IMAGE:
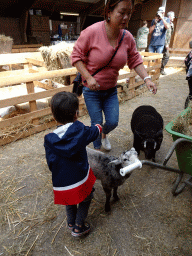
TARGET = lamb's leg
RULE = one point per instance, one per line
(115, 196)
(108, 197)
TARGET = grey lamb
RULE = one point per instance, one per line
(107, 169)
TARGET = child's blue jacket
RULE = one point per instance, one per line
(67, 160)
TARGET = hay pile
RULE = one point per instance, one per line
(6, 43)
(57, 57)
(5, 39)
(183, 123)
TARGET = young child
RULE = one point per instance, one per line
(188, 65)
(66, 157)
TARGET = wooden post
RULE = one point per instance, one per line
(32, 104)
(157, 71)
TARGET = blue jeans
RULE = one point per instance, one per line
(99, 102)
(156, 48)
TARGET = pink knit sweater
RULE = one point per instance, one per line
(94, 49)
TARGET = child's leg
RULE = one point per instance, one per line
(82, 212)
(71, 214)
(83, 209)
(82, 228)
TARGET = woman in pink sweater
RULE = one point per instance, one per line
(93, 50)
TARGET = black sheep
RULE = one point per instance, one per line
(147, 127)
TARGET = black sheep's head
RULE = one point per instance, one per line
(149, 147)
(150, 143)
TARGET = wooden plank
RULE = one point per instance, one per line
(35, 62)
(32, 104)
(13, 73)
(19, 46)
(24, 50)
(15, 50)
(135, 85)
(133, 73)
(35, 77)
(36, 70)
(25, 117)
(21, 72)
(160, 56)
(43, 85)
(18, 58)
(33, 96)
(149, 54)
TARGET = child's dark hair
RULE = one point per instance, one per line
(64, 106)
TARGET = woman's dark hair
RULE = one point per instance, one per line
(64, 106)
(110, 6)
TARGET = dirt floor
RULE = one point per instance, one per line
(148, 219)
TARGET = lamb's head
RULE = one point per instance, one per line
(126, 158)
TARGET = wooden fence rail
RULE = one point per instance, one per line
(32, 122)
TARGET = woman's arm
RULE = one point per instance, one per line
(141, 71)
(91, 82)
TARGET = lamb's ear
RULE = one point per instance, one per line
(115, 162)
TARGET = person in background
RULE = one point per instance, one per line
(169, 33)
(92, 51)
(158, 29)
(188, 65)
(66, 157)
(142, 37)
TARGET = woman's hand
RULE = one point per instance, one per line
(151, 86)
(92, 84)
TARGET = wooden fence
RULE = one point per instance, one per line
(34, 71)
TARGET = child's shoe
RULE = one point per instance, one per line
(70, 226)
(81, 230)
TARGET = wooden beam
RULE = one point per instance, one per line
(18, 58)
(22, 50)
(43, 85)
(33, 96)
(133, 73)
(25, 117)
(32, 103)
(21, 46)
(35, 62)
(37, 76)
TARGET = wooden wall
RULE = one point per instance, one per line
(183, 31)
(11, 27)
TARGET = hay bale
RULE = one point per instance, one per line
(6, 43)
(57, 57)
